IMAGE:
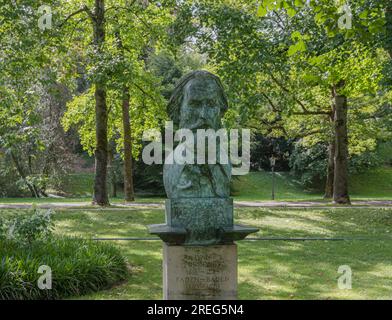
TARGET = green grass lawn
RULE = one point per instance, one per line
(376, 183)
(373, 184)
(256, 186)
(267, 269)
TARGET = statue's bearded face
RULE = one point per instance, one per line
(200, 107)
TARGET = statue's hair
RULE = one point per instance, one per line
(174, 105)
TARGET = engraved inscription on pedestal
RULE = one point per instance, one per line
(199, 272)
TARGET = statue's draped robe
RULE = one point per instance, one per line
(197, 180)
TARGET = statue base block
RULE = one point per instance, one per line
(200, 272)
(200, 221)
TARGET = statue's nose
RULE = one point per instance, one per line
(204, 111)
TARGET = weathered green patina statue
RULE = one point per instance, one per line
(198, 102)
(199, 210)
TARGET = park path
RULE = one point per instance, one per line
(238, 204)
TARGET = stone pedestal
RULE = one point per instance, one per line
(199, 250)
(200, 272)
(200, 221)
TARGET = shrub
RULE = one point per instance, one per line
(384, 150)
(9, 179)
(32, 227)
(309, 164)
(78, 267)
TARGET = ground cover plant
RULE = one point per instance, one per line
(77, 266)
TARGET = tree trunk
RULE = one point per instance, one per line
(101, 113)
(331, 162)
(330, 171)
(129, 194)
(340, 185)
(114, 186)
(112, 171)
(33, 189)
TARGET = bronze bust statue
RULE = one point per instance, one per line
(199, 210)
(198, 102)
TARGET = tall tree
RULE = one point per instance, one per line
(340, 181)
(97, 19)
(29, 101)
(101, 111)
(281, 67)
(330, 166)
(133, 101)
(129, 193)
